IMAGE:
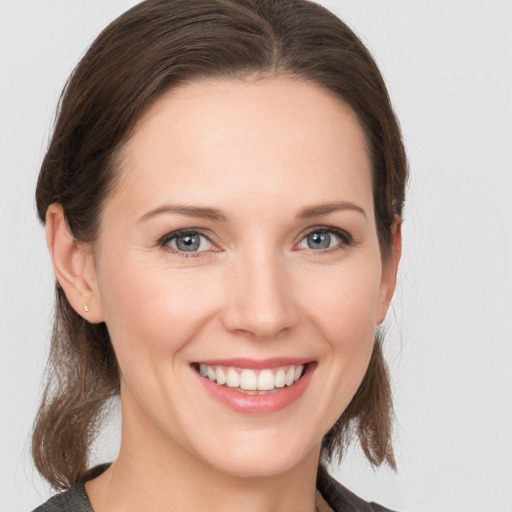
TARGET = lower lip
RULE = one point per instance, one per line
(259, 404)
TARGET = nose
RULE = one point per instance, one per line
(259, 298)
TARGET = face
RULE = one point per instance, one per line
(239, 273)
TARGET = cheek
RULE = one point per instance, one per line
(345, 305)
(344, 310)
(152, 312)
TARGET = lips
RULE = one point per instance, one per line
(248, 379)
(255, 387)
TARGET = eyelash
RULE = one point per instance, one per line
(346, 240)
(169, 237)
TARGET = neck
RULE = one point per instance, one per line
(154, 473)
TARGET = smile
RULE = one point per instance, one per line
(252, 386)
(252, 381)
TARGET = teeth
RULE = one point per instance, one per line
(233, 378)
(266, 380)
(280, 379)
(220, 376)
(248, 380)
(251, 381)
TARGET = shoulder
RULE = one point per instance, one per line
(340, 499)
(74, 500)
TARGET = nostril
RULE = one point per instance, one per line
(260, 305)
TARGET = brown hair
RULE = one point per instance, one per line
(151, 48)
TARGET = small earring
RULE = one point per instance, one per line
(86, 308)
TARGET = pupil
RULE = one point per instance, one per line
(188, 243)
(319, 240)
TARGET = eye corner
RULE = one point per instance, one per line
(194, 242)
(324, 239)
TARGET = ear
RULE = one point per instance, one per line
(389, 271)
(73, 265)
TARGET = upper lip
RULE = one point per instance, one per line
(256, 364)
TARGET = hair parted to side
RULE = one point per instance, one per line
(152, 48)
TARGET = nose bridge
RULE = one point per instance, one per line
(260, 299)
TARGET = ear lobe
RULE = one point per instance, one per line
(389, 271)
(73, 266)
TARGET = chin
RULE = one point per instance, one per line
(261, 458)
(258, 466)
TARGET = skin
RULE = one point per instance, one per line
(261, 153)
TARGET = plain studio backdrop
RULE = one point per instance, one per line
(448, 66)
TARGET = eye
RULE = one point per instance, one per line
(187, 241)
(322, 239)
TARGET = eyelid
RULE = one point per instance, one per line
(345, 236)
(346, 239)
(163, 242)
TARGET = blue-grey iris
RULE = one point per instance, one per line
(319, 240)
(188, 242)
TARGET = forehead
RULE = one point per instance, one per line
(213, 140)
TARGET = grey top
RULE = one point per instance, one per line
(74, 500)
(339, 498)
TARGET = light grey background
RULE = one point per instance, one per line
(448, 65)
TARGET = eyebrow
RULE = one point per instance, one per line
(182, 209)
(324, 209)
(216, 215)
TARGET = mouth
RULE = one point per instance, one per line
(250, 380)
(255, 387)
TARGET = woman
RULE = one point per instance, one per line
(222, 199)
